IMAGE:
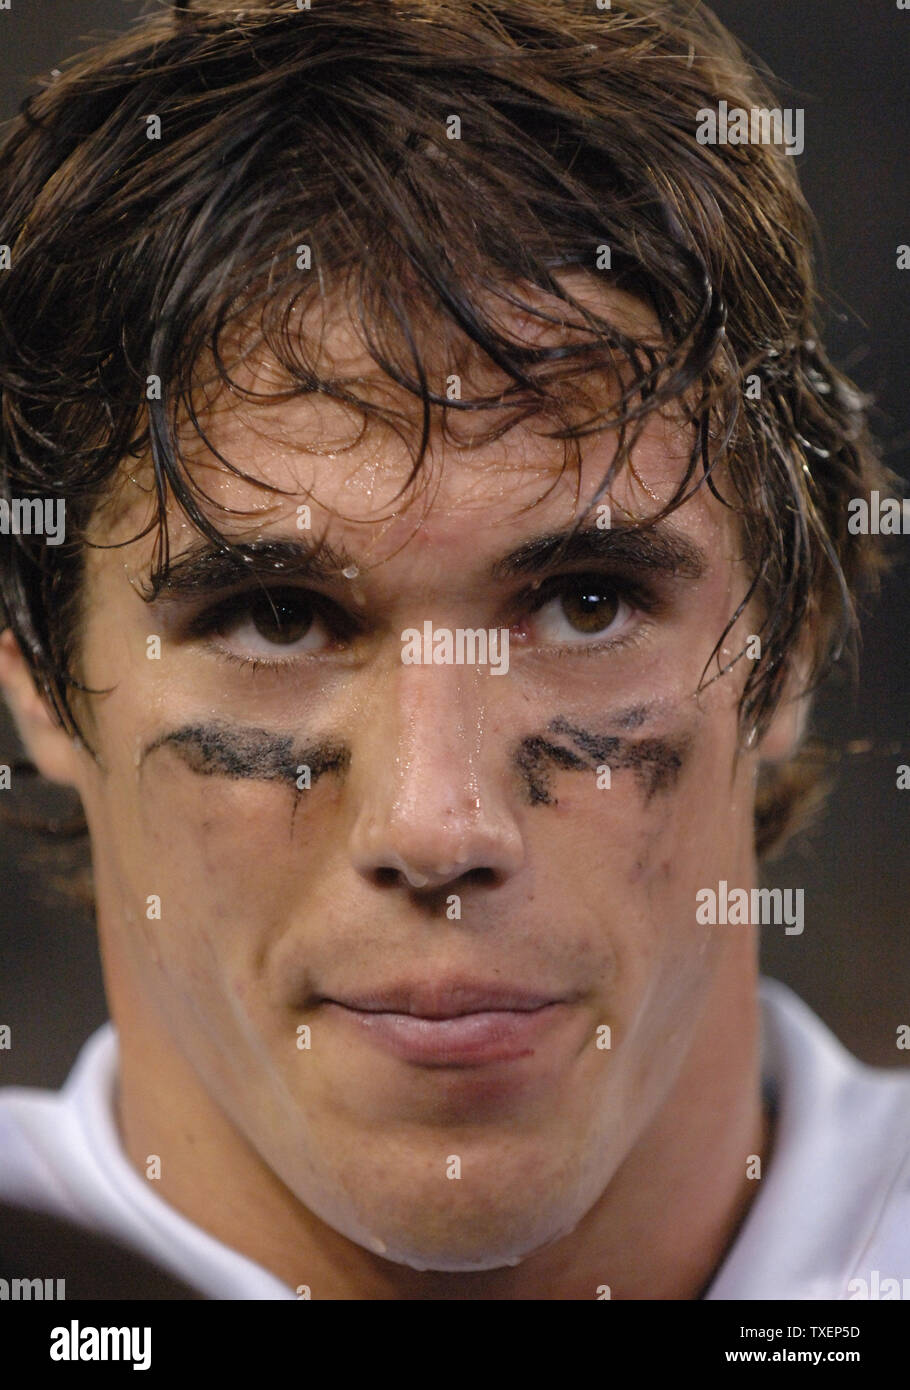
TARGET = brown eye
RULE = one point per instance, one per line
(590, 607)
(280, 617)
(581, 607)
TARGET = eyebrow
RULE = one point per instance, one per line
(660, 548)
(206, 569)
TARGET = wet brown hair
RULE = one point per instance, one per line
(135, 257)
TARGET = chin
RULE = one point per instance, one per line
(462, 1242)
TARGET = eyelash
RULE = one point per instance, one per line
(641, 597)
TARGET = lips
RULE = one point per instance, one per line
(452, 1025)
(447, 1000)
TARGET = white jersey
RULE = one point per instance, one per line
(831, 1218)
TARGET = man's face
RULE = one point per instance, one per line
(443, 989)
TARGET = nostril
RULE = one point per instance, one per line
(386, 876)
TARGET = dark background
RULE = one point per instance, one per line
(846, 64)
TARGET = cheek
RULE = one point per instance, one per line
(208, 869)
(631, 851)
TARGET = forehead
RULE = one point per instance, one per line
(337, 470)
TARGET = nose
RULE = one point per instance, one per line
(429, 775)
